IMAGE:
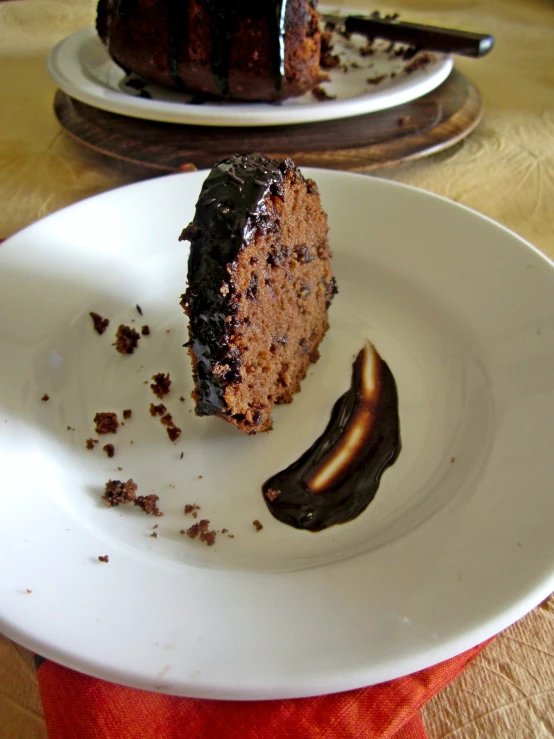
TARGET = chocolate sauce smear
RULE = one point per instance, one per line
(338, 477)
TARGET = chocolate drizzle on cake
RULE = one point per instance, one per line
(278, 41)
(224, 15)
(337, 478)
(125, 8)
(223, 29)
(226, 218)
(177, 28)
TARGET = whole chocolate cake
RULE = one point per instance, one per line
(263, 50)
(259, 286)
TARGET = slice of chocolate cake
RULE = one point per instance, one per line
(259, 286)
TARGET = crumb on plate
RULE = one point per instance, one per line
(148, 503)
(161, 384)
(119, 493)
(100, 324)
(106, 422)
(126, 339)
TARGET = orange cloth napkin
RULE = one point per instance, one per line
(80, 707)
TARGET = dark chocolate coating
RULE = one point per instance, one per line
(177, 22)
(224, 16)
(297, 505)
(230, 210)
(125, 8)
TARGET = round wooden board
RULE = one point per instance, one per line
(424, 126)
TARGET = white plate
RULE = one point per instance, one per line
(456, 545)
(81, 67)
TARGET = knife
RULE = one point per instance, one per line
(431, 38)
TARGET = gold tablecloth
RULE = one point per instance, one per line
(505, 170)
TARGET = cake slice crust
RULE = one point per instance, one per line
(259, 287)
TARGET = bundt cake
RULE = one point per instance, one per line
(264, 50)
(259, 286)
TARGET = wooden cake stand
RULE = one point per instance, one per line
(362, 143)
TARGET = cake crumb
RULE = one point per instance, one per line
(119, 493)
(148, 503)
(119, 469)
(199, 477)
(403, 119)
(127, 413)
(90, 443)
(181, 455)
(408, 52)
(191, 508)
(155, 526)
(100, 324)
(272, 494)
(419, 62)
(202, 531)
(109, 449)
(105, 559)
(126, 339)
(45, 397)
(452, 460)
(161, 384)
(329, 61)
(182, 399)
(224, 531)
(106, 422)
(70, 428)
(320, 94)
(157, 410)
(28, 591)
(257, 525)
(139, 309)
(174, 432)
(145, 330)
(167, 419)
(376, 80)
(154, 535)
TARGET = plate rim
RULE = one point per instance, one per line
(236, 115)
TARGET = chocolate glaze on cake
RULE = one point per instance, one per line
(259, 285)
(338, 477)
(238, 49)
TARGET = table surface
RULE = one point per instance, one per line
(504, 170)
